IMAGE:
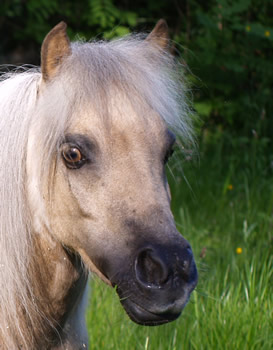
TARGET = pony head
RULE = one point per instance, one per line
(97, 150)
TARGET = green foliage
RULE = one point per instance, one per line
(232, 46)
(112, 21)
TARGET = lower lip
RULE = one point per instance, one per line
(144, 317)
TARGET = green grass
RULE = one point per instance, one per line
(232, 306)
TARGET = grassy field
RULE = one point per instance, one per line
(223, 204)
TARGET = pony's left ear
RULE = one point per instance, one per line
(159, 36)
(55, 47)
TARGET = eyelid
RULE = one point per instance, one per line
(81, 141)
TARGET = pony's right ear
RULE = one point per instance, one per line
(55, 47)
(159, 36)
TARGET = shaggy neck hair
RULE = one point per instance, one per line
(134, 67)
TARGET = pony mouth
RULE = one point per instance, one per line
(137, 313)
(144, 317)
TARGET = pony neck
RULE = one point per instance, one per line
(59, 280)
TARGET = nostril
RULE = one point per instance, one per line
(188, 259)
(150, 268)
(186, 265)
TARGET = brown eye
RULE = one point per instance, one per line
(72, 157)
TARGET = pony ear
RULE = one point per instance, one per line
(159, 36)
(55, 47)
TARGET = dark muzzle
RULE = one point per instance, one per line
(161, 282)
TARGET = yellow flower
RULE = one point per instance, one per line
(239, 250)
(230, 187)
(248, 28)
(267, 33)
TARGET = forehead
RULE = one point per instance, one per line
(120, 118)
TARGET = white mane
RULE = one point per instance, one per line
(17, 101)
(143, 72)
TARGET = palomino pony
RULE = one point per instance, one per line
(84, 142)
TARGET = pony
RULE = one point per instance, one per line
(84, 144)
